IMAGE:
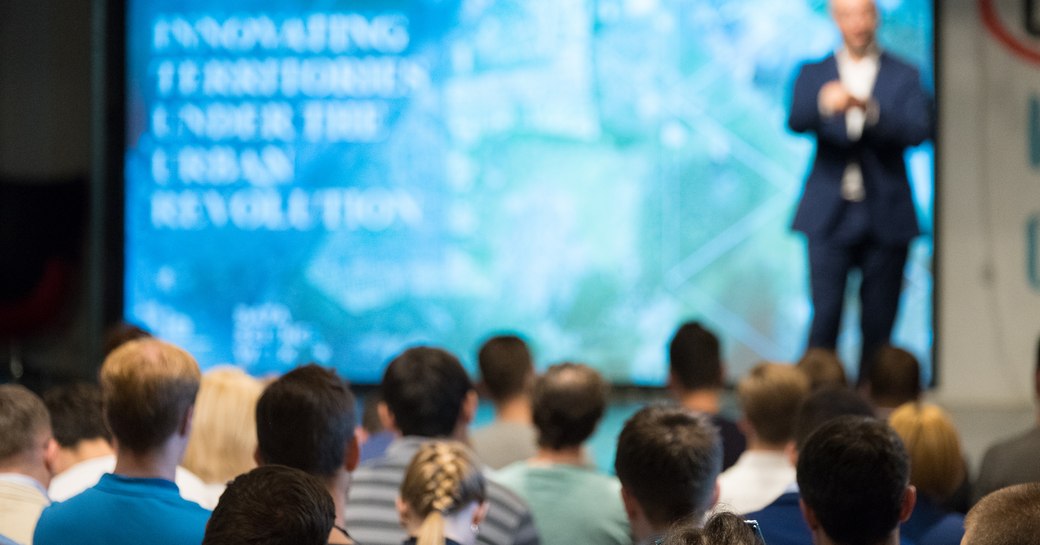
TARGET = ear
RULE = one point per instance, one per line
(186, 421)
(257, 457)
(352, 454)
(469, 408)
(50, 456)
(909, 501)
(809, 515)
(403, 513)
(386, 418)
(480, 513)
(714, 496)
(745, 427)
(792, 453)
(632, 508)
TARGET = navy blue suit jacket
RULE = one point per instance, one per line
(905, 120)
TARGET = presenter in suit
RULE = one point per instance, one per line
(864, 107)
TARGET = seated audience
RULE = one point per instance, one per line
(506, 374)
(372, 436)
(305, 420)
(769, 395)
(722, 528)
(668, 460)
(272, 505)
(148, 392)
(854, 478)
(936, 469)
(443, 496)
(223, 436)
(824, 369)
(781, 521)
(1013, 460)
(427, 395)
(1009, 516)
(695, 378)
(27, 452)
(85, 445)
(570, 501)
(893, 379)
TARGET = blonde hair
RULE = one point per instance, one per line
(147, 386)
(441, 480)
(936, 462)
(770, 395)
(223, 436)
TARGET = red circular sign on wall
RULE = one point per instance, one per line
(991, 18)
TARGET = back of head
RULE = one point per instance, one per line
(441, 480)
(506, 368)
(770, 395)
(668, 459)
(568, 401)
(853, 473)
(223, 434)
(1009, 516)
(24, 423)
(823, 368)
(895, 377)
(147, 387)
(272, 505)
(823, 406)
(722, 528)
(695, 359)
(76, 414)
(121, 333)
(306, 420)
(425, 388)
(936, 462)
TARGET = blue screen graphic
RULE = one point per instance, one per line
(337, 180)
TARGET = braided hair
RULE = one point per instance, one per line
(441, 480)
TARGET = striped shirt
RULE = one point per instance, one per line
(371, 513)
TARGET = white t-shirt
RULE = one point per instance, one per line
(87, 473)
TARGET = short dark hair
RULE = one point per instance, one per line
(695, 358)
(76, 413)
(567, 403)
(853, 473)
(306, 420)
(424, 388)
(668, 458)
(1009, 516)
(272, 505)
(23, 416)
(505, 367)
(895, 377)
(823, 406)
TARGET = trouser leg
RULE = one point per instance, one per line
(882, 269)
(828, 271)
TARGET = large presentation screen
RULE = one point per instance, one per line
(333, 181)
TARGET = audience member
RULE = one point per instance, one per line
(507, 374)
(722, 528)
(1013, 460)
(1009, 516)
(668, 460)
(695, 378)
(443, 496)
(305, 420)
(85, 445)
(781, 521)
(122, 332)
(148, 392)
(570, 501)
(223, 436)
(426, 395)
(936, 470)
(893, 379)
(769, 395)
(824, 369)
(853, 474)
(272, 505)
(27, 452)
(372, 436)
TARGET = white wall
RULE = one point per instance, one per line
(989, 307)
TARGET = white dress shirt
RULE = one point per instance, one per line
(858, 77)
(755, 480)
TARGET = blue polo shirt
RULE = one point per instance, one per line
(123, 510)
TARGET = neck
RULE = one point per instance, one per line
(338, 486)
(34, 470)
(859, 53)
(570, 455)
(754, 443)
(158, 463)
(515, 409)
(86, 449)
(820, 538)
(703, 400)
